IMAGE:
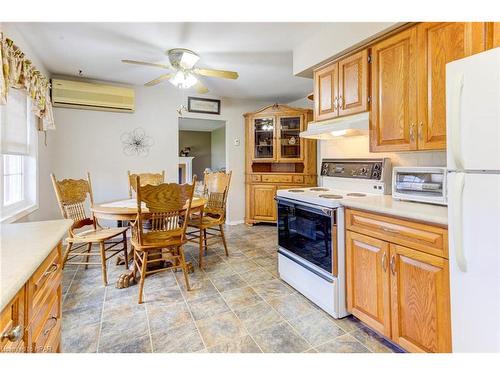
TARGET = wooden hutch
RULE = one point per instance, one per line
(276, 158)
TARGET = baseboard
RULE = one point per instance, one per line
(236, 222)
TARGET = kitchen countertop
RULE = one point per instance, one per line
(385, 204)
(24, 246)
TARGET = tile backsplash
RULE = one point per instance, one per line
(358, 147)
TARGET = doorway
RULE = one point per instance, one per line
(202, 147)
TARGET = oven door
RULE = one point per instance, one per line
(307, 235)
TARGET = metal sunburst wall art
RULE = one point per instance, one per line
(136, 143)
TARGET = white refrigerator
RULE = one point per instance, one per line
(473, 162)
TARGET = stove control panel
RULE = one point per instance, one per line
(367, 169)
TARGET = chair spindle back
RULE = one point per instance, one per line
(216, 191)
(146, 179)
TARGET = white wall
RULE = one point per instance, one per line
(90, 141)
(333, 39)
(218, 143)
(358, 147)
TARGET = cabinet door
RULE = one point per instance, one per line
(263, 203)
(493, 34)
(420, 301)
(353, 84)
(326, 92)
(12, 325)
(368, 297)
(394, 93)
(438, 44)
(263, 138)
(291, 146)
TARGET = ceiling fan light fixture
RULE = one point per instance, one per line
(182, 58)
(183, 80)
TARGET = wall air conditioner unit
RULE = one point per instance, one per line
(88, 95)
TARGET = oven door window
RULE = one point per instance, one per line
(307, 233)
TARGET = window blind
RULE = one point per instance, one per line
(14, 123)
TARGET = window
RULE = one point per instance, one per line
(18, 167)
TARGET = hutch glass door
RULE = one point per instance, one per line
(290, 142)
(263, 129)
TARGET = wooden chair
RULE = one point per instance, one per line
(72, 196)
(168, 208)
(146, 179)
(211, 223)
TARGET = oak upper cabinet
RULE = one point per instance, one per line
(368, 295)
(493, 37)
(341, 87)
(263, 205)
(393, 113)
(438, 44)
(326, 92)
(353, 84)
(420, 301)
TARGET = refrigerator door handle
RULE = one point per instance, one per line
(458, 221)
(456, 125)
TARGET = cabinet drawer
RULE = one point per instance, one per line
(427, 238)
(255, 178)
(46, 327)
(12, 322)
(45, 281)
(298, 179)
(276, 178)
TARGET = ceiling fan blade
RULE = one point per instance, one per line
(200, 88)
(158, 80)
(146, 63)
(216, 73)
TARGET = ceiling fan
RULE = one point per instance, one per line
(184, 75)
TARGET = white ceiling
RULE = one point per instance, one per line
(200, 125)
(260, 52)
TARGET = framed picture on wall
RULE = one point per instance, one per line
(203, 105)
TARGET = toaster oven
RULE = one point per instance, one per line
(419, 184)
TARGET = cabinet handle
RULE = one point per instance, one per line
(341, 102)
(15, 334)
(412, 132)
(54, 319)
(389, 230)
(53, 268)
(393, 264)
(421, 131)
(335, 103)
(384, 261)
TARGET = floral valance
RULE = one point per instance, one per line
(18, 72)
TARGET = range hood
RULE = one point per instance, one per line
(343, 126)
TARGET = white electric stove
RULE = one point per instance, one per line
(311, 254)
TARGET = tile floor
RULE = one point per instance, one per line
(237, 304)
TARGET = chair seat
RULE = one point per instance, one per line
(206, 221)
(156, 240)
(96, 235)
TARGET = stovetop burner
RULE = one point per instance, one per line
(296, 191)
(318, 189)
(331, 196)
(356, 195)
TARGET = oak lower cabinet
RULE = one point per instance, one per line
(420, 301)
(401, 292)
(368, 281)
(263, 206)
(31, 322)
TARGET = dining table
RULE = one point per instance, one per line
(124, 210)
